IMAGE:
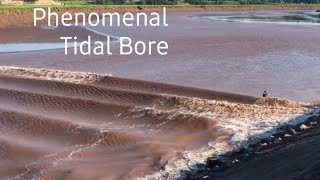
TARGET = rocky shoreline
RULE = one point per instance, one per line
(269, 153)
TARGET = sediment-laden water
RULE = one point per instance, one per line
(235, 57)
(59, 124)
(72, 124)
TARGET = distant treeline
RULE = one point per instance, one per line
(191, 2)
(249, 2)
(135, 2)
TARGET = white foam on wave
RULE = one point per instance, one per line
(242, 131)
(49, 74)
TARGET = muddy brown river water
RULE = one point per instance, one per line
(75, 125)
(227, 56)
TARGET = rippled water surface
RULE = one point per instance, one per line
(74, 125)
(208, 52)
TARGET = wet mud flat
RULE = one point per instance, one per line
(306, 18)
(291, 154)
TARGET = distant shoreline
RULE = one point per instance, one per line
(20, 16)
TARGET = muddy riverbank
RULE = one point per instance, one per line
(20, 17)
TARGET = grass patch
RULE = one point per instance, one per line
(74, 2)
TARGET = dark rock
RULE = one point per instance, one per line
(213, 162)
(318, 11)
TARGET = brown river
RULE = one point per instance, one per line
(80, 123)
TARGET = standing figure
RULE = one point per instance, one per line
(265, 94)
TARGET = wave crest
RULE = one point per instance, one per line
(75, 124)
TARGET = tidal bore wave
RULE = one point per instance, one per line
(72, 125)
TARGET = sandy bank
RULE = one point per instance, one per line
(17, 17)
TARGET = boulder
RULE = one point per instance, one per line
(318, 11)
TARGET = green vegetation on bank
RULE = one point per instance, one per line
(250, 2)
(192, 2)
(70, 6)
